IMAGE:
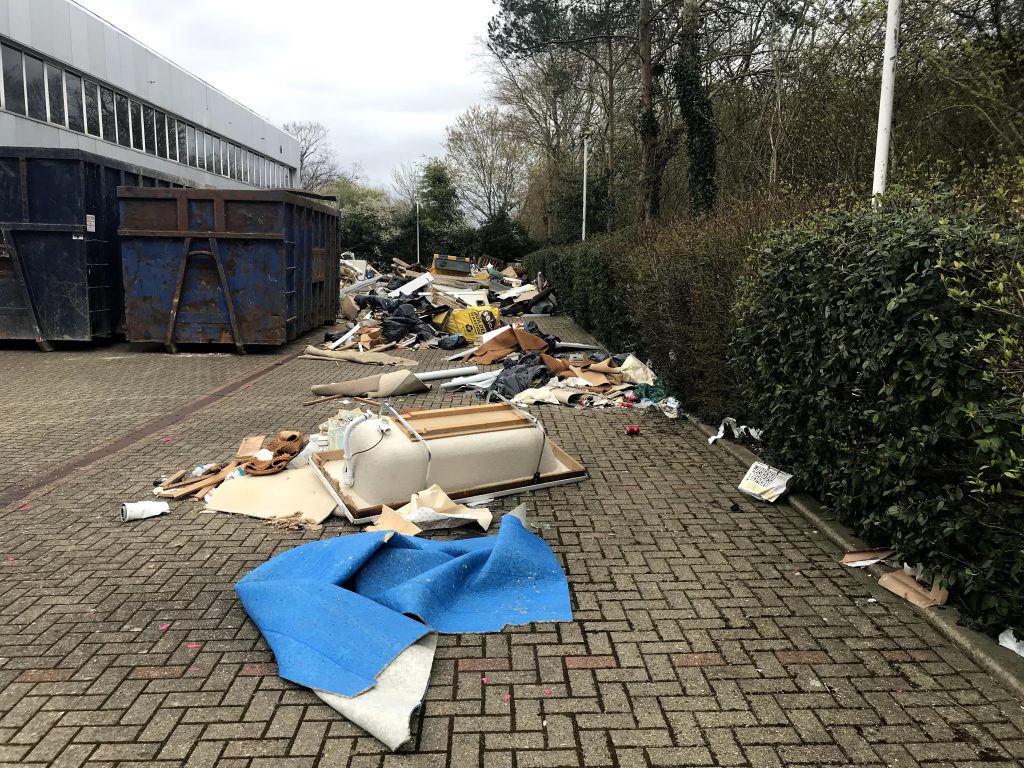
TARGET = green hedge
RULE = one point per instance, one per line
(881, 351)
(667, 294)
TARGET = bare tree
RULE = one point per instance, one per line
(489, 162)
(406, 180)
(318, 163)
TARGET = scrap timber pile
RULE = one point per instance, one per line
(338, 613)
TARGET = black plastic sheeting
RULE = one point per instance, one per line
(526, 372)
(404, 321)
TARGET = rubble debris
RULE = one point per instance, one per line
(344, 642)
(765, 483)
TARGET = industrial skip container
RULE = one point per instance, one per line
(227, 266)
(60, 265)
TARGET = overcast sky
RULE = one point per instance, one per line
(386, 76)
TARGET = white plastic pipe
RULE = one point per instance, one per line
(350, 467)
(352, 332)
(486, 376)
(892, 33)
(140, 510)
(451, 373)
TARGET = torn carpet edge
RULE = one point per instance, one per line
(386, 710)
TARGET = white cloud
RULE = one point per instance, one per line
(386, 77)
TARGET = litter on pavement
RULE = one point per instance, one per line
(336, 612)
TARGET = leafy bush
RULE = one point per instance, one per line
(667, 294)
(882, 351)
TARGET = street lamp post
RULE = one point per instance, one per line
(892, 30)
(586, 134)
(417, 233)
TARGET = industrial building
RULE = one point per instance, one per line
(73, 81)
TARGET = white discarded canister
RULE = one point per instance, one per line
(140, 510)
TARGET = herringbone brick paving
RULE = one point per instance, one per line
(702, 636)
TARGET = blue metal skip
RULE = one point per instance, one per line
(60, 271)
(227, 266)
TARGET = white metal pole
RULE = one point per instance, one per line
(892, 33)
(417, 232)
(585, 134)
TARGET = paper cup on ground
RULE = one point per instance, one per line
(140, 510)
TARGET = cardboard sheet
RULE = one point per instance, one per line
(249, 446)
(913, 591)
(294, 491)
(503, 344)
(390, 520)
(764, 482)
(352, 356)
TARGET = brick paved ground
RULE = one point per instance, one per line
(702, 636)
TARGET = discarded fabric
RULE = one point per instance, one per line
(336, 612)
(382, 385)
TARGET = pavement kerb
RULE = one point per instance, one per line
(1002, 663)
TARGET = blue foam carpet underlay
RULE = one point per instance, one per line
(336, 612)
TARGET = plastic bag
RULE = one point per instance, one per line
(471, 322)
(455, 341)
(518, 378)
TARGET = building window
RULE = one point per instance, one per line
(211, 153)
(55, 95)
(92, 109)
(190, 146)
(35, 88)
(149, 128)
(217, 156)
(14, 80)
(137, 130)
(109, 121)
(76, 116)
(182, 151)
(161, 134)
(172, 139)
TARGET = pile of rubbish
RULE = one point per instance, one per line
(355, 617)
(448, 306)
